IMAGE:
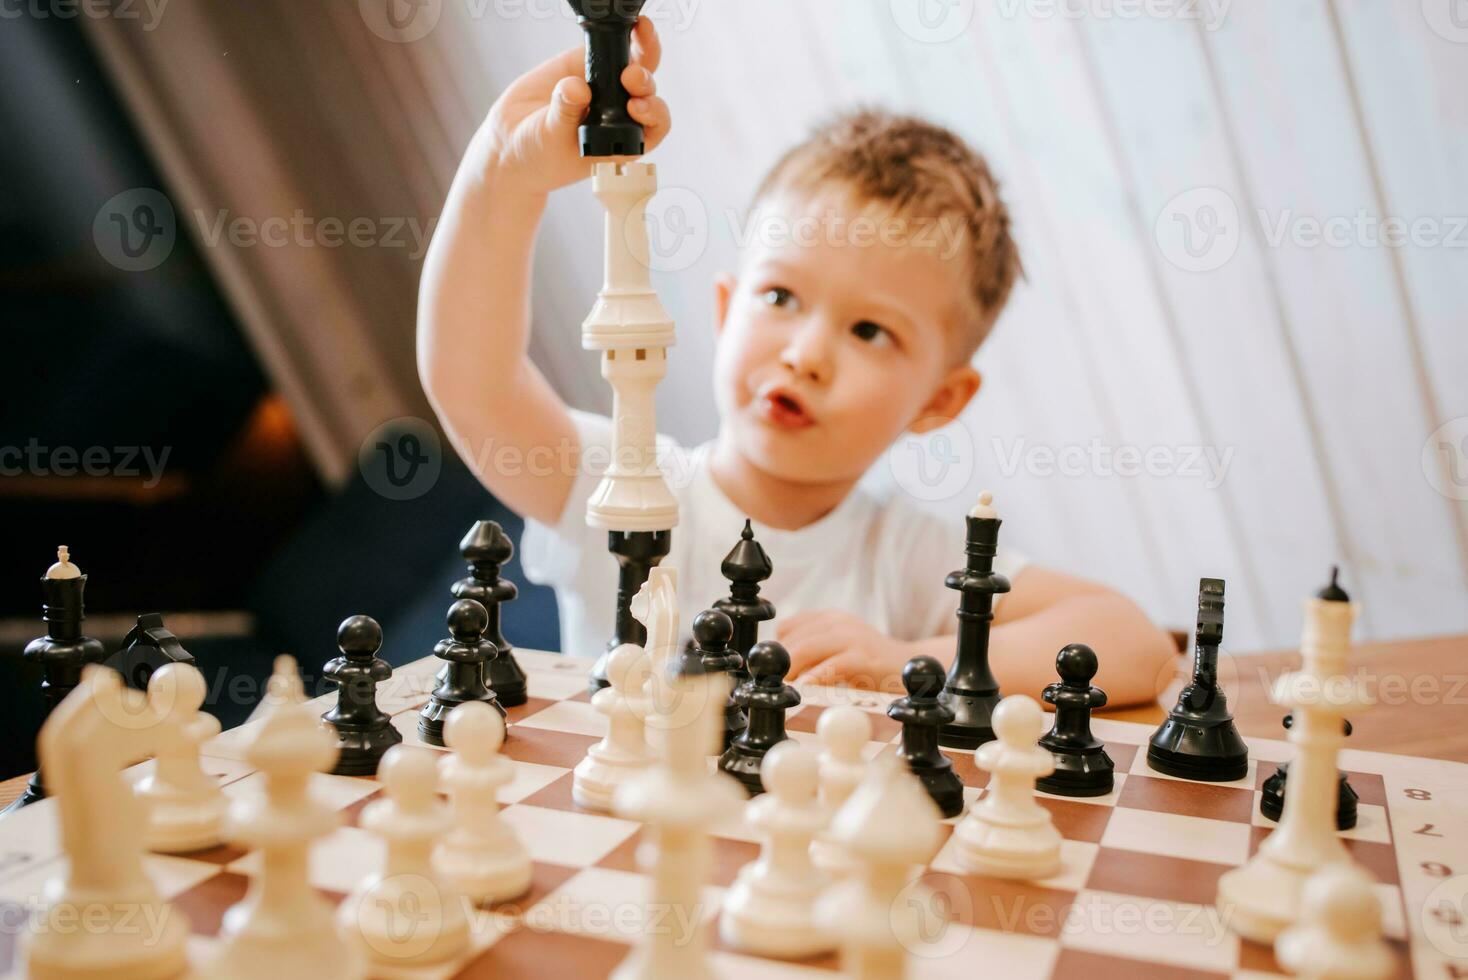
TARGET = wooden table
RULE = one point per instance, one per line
(1421, 687)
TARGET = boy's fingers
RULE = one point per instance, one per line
(568, 104)
(548, 74)
(647, 47)
(844, 667)
(654, 116)
(806, 655)
(638, 81)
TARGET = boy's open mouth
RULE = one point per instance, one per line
(783, 410)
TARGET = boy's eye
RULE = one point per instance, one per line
(871, 332)
(778, 296)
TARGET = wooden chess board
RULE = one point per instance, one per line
(1134, 898)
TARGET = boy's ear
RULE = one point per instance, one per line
(948, 402)
(723, 293)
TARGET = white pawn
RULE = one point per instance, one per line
(770, 908)
(186, 807)
(1007, 833)
(624, 751)
(481, 856)
(1338, 936)
(843, 732)
(405, 915)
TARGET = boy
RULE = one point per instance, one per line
(827, 352)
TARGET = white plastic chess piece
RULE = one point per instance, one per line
(481, 856)
(282, 927)
(97, 729)
(185, 804)
(1262, 898)
(889, 824)
(623, 752)
(843, 732)
(1338, 936)
(63, 567)
(770, 908)
(404, 914)
(1007, 833)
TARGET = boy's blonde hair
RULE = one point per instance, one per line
(919, 171)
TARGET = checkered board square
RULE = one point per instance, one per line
(1134, 896)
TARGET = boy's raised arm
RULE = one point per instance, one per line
(474, 301)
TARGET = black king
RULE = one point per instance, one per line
(971, 690)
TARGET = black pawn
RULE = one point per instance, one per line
(1271, 799)
(363, 731)
(971, 691)
(1082, 767)
(466, 651)
(62, 652)
(712, 631)
(746, 566)
(766, 698)
(487, 548)
(922, 714)
(1199, 739)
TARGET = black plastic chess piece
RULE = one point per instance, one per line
(1082, 767)
(1271, 799)
(609, 130)
(636, 552)
(712, 631)
(1199, 739)
(765, 698)
(363, 730)
(746, 566)
(62, 652)
(147, 646)
(922, 714)
(487, 548)
(466, 651)
(971, 692)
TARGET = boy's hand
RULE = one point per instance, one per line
(531, 131)
(832, 647)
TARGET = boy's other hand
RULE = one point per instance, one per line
(532, 146)
(832, 647)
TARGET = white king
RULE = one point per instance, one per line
(1264, 896)
(633, 332)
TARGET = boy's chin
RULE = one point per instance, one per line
(791, 456)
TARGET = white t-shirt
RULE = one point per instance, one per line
(881, 560)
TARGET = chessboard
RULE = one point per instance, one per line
(1134, 898)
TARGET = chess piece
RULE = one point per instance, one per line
(94, 732)
(632, 330)
(283, 927)
(712, 631)
(487, 548)
(609, 130)
(922, 715)
(147, 646)
(1263, 897)
(745, 566)
(1272, 795)
(1007, 833)
(363, 731)
(971, 692)
(1198, 740)
(1338, 936)
(623, 752)
(656, 607)
(466, 651)
(677, 799)
(766, 699)
(877, 914)
(185, 804)
(1082, 767)
(63, 652)
(405, 915)
(770, 908)
(844, 732)
(481, 857)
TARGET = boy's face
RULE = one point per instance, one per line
(831, 346)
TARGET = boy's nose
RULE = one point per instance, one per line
(808, 355)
